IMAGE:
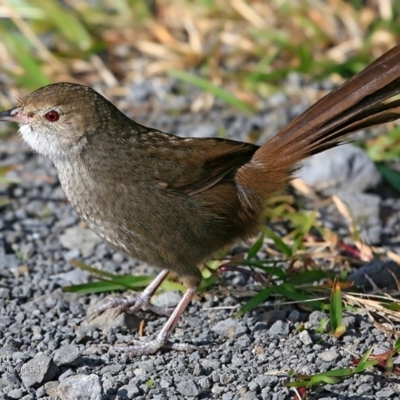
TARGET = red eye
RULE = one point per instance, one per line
(52, 116)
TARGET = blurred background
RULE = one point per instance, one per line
(246, 47)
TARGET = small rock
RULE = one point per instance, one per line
(77, 238)
(279, 328)
(294, 316)
(15, 393)
(167, 299)
(316, 317)
(377, 273)
(328, 356)
(230, 328)
(67, 355)
(9, 381)
(164, 384)
(38, 370)
(74, 277)
(128, 392)
(82, 387)
(51, 388)
(188, 388)
(248, 396)
(205, 382)
(27, 397)
(66, 375)
(305, 337)
(108, 320)
(343, 168)
(385, 394)
(260, 328)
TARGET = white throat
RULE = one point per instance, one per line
(47, 145)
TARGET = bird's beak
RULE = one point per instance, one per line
(14, 115)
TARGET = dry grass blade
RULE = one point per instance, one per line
(385, 306)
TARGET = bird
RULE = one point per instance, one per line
(173, 202)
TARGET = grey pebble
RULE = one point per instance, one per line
(385, 393)
(66, 374)
(280, 328)
(108, 320)
(248, 396)
(294, 316)
(38, 370)
(15, 393)
(188, 388)
(77, 238)
(128, 392)
(266, 380)
(164, 384)
(344, 168)
(51, 388)
(260, 328)
(365, 389)
(205, 382)
(316, 317)
(254, 387)
(378, 274)
(230, 328)
(328, 356)
(305, 337)
(82, 387)
(4, 293)
(167, 299)
(67, 355)
(74, 277)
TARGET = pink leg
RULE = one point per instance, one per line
(138, 302)
(141, 348)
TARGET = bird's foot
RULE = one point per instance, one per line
(139, 348)
(129, 305)
(134, 304)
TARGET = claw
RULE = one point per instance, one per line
(135, 303)
(139, 348)
(142, 302)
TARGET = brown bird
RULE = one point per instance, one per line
(173, 202)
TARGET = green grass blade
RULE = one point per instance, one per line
(390, 175)
(255, 248)
(94, 271)
(33, 76)
(336, 310)
(254, 302)
(279, 243)
(66, 22)
(122, 283)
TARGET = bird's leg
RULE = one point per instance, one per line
(139, 348)
(135, 303)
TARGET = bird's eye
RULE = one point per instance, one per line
(52, 116)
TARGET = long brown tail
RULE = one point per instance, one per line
(357, 104)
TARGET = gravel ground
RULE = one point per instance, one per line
(47, 350)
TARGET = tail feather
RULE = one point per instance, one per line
(346, 105)
(359, 103)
